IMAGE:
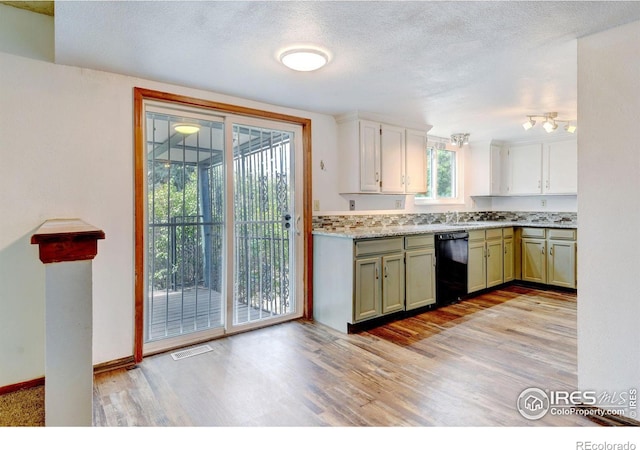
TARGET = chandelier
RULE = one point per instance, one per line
(550, 122)
(460, 139)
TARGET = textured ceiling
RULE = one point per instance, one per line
(476, 67)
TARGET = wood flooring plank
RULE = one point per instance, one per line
(461, 365)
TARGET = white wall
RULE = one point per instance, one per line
(66, 144)
(26, 33)
(609, 212)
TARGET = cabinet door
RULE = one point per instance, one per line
(534, 267)
(509, 260)
(392, 159)
(369, 156)
(367, 289)
(561, 168)
(495, 263)
(416, 162)
(476, 267)
(420, 278)
(392, 283)
(526, 169)
(499, 170)
(562, 263)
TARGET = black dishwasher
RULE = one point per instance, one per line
(452, 254)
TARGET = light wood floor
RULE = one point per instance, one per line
(462, 365)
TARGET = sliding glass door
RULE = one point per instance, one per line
(265, 223)
(223, 243)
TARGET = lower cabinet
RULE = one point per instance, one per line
(509, 263)
(359, 280)
(490, 258)
(379, 278)
(549, 256)
(420, 269)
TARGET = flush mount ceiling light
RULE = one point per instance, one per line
(186, 128)
(549, 122)
(460, 139)
(304, 59)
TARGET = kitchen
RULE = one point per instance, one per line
(368, 267)
(607, 180)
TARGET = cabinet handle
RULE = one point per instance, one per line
(539, 184)
(385, 271)
(377, 275)
(551, 251)
(505, 250)
(542, 249)
(488, 253)
(408, 180)
(377, 177)
(402, 179)
(547, 184)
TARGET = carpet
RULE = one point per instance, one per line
(23, 408)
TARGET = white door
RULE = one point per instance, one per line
(266, 214)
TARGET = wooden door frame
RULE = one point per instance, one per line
(142, 94)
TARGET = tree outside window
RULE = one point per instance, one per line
(442, 171)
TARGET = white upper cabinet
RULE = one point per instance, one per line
(377, 157)
(525, 163)
(540, 169)
(499, 170)
(560, 168)
(392, 159)
(416, 162)
(369, 156)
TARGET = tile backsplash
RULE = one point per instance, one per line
(341, 222)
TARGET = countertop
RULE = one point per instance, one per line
(404, 230)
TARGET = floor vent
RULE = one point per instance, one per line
(182, 354)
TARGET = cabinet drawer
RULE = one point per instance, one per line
(373, 246)
(476, 235)
(533, 232)
(494, 233)
(507, 232)
(423, 240)
(562, 233)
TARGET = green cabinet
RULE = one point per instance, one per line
(477, 262)
(379, 278)
(561, 267)
(549, 256)
(420, 271)
(488, 257)
(509, 255)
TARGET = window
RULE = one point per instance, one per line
(442, 174)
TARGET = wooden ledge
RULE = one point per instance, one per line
(67, 240)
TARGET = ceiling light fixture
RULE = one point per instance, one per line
(529, 123)
(549, 122)
(304, 59)
(186, 128)
(460, 139)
